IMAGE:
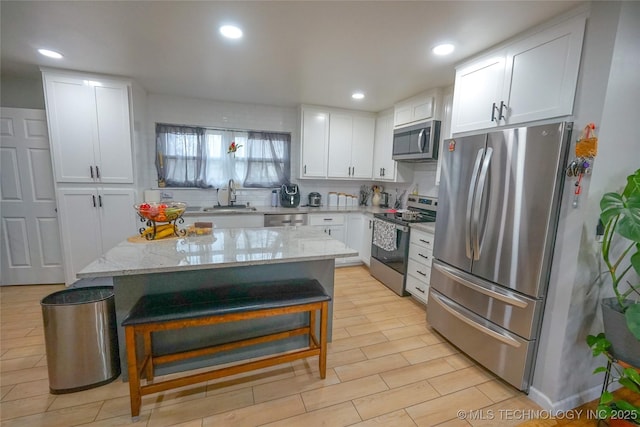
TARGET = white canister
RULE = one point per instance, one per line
(352, 201)
(342, 200)
(333, 199)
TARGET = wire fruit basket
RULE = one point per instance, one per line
(161, 219)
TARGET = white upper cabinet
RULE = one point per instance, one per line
(315, 141)
(477, 87)
(423, 106)
(340, 135)
(336, 144)
(530, 79)
(362, 147)
(90, 130)
(384, 167)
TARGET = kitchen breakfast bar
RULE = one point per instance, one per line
(225, 257)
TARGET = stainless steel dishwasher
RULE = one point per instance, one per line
(283, 220)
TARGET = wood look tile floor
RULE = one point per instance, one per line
(386, 367)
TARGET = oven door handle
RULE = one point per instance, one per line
(402, 228)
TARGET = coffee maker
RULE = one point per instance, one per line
(289, 196)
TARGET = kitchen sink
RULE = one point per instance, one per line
(238, 208)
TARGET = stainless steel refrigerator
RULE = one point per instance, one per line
(498, 210)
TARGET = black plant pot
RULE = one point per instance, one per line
(624, 345)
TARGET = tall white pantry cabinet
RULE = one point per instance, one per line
(90, 135)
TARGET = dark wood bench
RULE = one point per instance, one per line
(209, 306)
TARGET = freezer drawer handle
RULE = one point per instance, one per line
(508, 298)
(494, 334)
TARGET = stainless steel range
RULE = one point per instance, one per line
(390, 243)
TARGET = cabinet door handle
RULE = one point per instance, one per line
(370, 224)
(353, 171)
(327, 219)
(423, 256)
(329, 232)
(94, 200)
(91, 170)
(100, 201)
(493, 112)
(384, 171)
(425, 241)
(97, 172)
(420, 272)
(420, 290)
(305, 169)
(500, 115)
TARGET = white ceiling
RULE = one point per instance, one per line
(314, 52)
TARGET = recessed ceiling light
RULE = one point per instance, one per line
(358, 95)
(231, 31)
(444, 49)
(50, 53)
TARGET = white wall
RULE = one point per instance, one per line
(608, 96)
(17, 92)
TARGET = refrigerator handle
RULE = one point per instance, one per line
(477, 203)
(467, 220)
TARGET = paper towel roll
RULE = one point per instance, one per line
(151, 196)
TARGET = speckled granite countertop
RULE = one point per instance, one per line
(233, 247)
(262, 210)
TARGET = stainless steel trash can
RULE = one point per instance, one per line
(81, 338)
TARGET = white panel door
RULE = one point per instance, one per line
(362, 147)
(29, 235)
(340, 137)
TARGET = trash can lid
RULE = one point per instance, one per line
(78, 296)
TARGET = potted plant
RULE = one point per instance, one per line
(619, 411)
(620, 214)
(620, 343)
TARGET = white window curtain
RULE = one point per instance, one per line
(199, 157)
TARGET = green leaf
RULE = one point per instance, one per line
(600, 369)
(633, 376)
(604, 412)
(635, 260)
(606, 397)
(611, 205)
(633, 185)
(629, 224)
(629, 384)
(632, 315)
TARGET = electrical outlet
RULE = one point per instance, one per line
(166, 195)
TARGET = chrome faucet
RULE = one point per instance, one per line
(232, 192)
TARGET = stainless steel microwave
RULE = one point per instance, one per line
(417, 143)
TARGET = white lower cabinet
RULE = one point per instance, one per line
(92, 221)
(419, 265)
(331, 224)
(367, 237)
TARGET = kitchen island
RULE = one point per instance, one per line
(228, 256)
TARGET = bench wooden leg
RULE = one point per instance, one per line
(148, 373)
(134, 375)
(312, 328)
(323, 339)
